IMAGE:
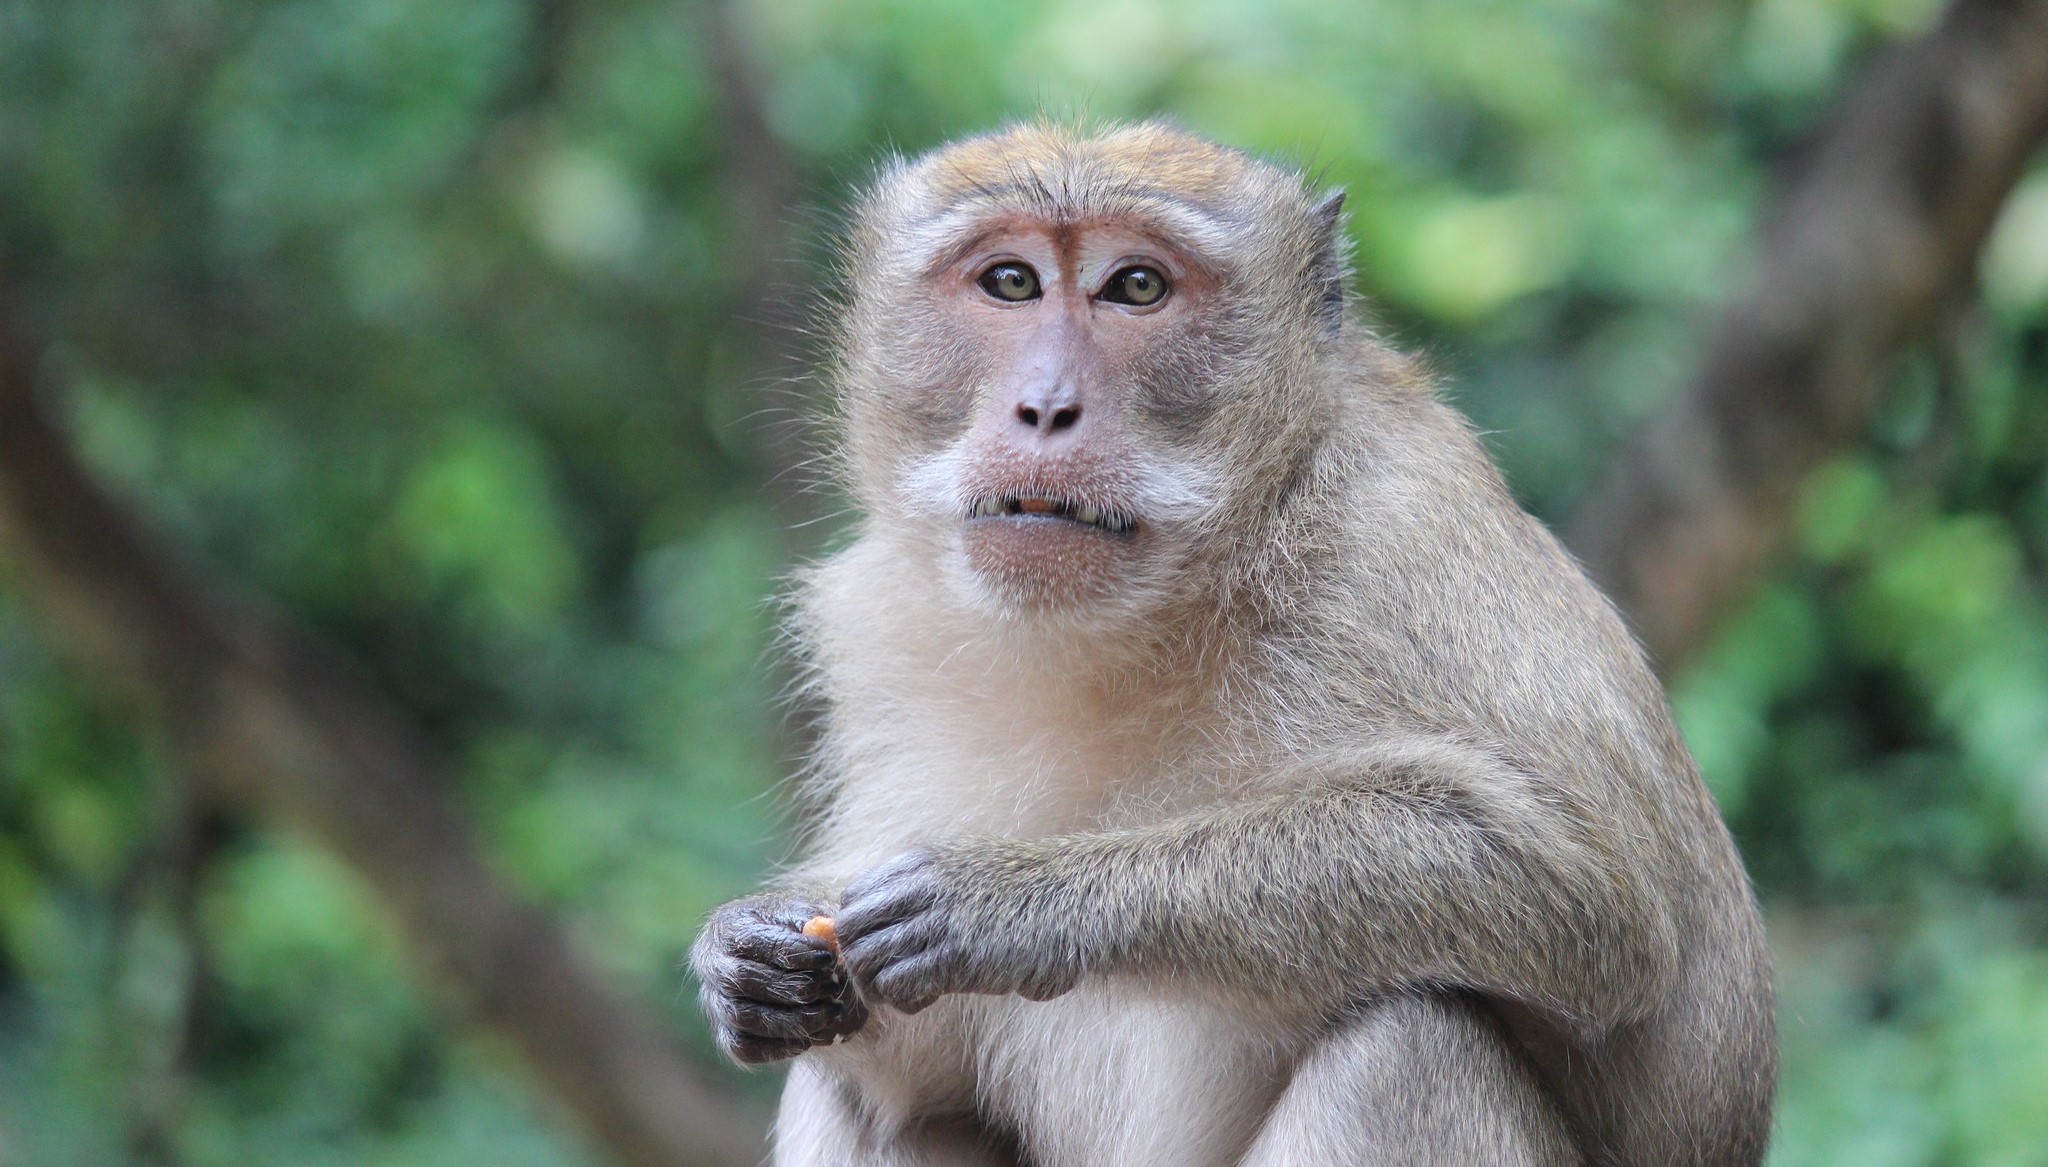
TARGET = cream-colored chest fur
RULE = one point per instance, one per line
(940, 724)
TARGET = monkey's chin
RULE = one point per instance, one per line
(1042, 563)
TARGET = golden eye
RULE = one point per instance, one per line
(1137, 285)
(1014, 282)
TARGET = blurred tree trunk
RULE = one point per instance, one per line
(266, 721)
(1867, 246)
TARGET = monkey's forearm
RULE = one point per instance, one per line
(1356, 888)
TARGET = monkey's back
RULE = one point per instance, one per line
(1443, 605)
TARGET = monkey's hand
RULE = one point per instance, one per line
(961, 919)
(771, 991)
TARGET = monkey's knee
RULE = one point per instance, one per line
(816, 1123)
(1415, 1080)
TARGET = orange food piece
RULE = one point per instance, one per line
(822, 928)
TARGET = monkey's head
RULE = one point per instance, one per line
(1070, 365)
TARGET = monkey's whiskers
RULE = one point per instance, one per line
(1052, 507)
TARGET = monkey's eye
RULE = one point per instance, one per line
(1010, 281)
(1137, 285)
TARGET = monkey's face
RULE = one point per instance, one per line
(1068, 499)
(1042, 466)
(1058, 371)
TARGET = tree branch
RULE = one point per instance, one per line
(264, 719)
(1867, 247)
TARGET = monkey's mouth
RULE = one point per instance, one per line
(1052, 509)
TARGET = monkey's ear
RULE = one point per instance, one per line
(1327, 267)
(1329, 211)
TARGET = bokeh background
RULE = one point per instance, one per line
(469, 334)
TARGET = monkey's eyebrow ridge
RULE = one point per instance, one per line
(1185, 229)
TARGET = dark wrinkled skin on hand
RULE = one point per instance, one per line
(770, 991)
(930, 922)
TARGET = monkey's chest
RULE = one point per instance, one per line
(1012, 776)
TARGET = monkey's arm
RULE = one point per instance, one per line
(1420, 873)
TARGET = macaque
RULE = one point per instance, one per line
(1218, 767)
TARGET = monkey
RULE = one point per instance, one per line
(1217, 765)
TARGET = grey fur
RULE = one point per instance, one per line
(1338, 819)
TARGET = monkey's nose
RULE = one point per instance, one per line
(1049, 419)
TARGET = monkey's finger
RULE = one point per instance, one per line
(911, 986)
(775, 943)
(774, 1021)
(873, 953)
(902, 886)
(849, 1023)
(775, 986)
(1045, 988)
(884, 903)
(748, 1050)
(884, 908)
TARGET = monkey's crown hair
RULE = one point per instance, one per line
(1225, 202)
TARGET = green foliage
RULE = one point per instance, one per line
(440, 324)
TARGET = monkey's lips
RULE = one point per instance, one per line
(1038, 508)
(1041, 551)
